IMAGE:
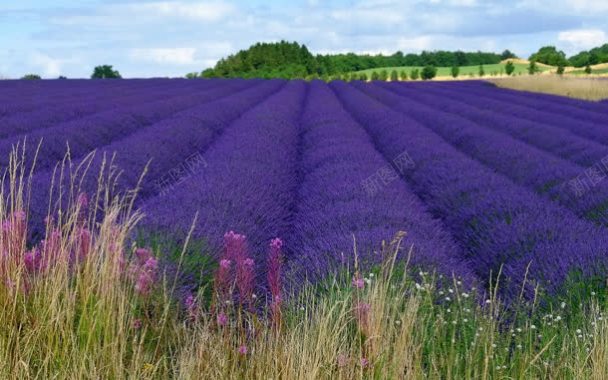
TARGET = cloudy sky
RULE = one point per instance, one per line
(172, 37)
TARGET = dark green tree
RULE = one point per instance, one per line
(428, 72)
(482, 72)
(455, 71)
(549, 55)
(560, 69)
(375, 75)
(394, 76)
(383, 75)
(509, 68)
(363, 77)
(105, 72)
(588, 70)
(31, 77)
(415, 74)
(507, 54)
(532, 69)
(403, 75)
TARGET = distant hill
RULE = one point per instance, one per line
(292, 60)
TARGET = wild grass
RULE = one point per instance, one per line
(580, 88)
(87, 303)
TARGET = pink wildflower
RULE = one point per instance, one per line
(137, 323)
(84, 244)
(143, 254)
(191, 307)
(244, 279)
(342, 360)
(146, 276)
(225, 264)
(274, 267)
(358, 282)
(364, 363)
(32, 260)
(51, 249)
(234, 246)
(243, 349)
(222, 319)
(222, 280)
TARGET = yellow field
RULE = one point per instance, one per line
(581, 88)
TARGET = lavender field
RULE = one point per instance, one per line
(480, 178)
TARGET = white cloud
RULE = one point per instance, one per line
(209, 11)
(582, 39)
(175, 56)
(589, 5)
(51, 67)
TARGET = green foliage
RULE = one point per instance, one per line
(193, 75)
(428, 72)
(592, 57)
(292, 60)
(532, 68)
(482, 72)
(403, 75)
(415, 74)
(363, 77)
(383, 75)
(375, 76)
(549, 55)
(509, 68)
(588, 70)
(31, 77)
(455, 71)
(105, 72)
(394, 76)
(507, 54)
(560, 69)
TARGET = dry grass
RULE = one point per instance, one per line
(87, 319)
(580, 88)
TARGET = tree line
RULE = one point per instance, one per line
(292, 60)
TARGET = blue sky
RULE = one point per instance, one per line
(173, 37)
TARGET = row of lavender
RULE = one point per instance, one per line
(325, 167)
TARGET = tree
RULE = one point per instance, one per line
(363, 77)
(375, 75)
(383, 75)
(403, 75)
(31, 77)
(588, 70)
(507, 54)
(482, 72)
(549, 55)
(532, 69)
(105, 72)
(509, 68)
(455, 71)
(193, 75)
(560, 70)
(428, 72)
(415, 74)
(62, 77)
(394, 76)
